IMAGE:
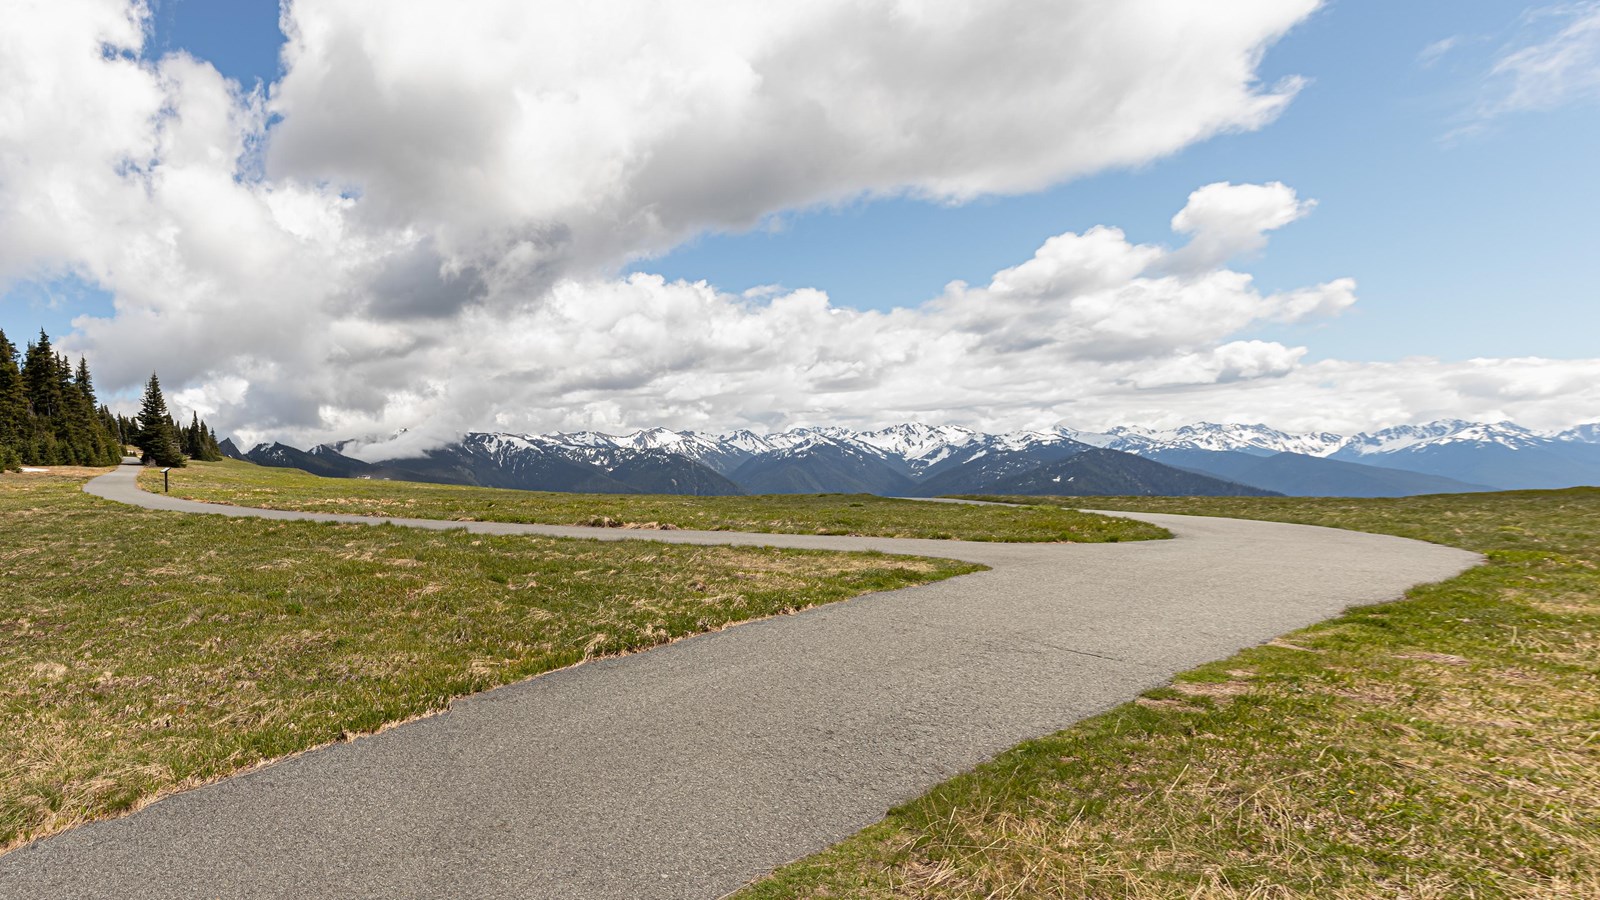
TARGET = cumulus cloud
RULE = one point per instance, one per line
(1225, 221)
(419, 226)
(573, 135)
(1349, 396)
(1089, 317)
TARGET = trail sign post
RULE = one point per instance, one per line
(166, 481)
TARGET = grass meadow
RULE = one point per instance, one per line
(1445, 745)
(144, 652)
(245, 484)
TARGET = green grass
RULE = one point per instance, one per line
(1446, 745)
(143, 652)
(244, 484)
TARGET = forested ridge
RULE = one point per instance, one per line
(49, 416)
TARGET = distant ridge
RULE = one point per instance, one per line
(1111, 473)
(1298, 475)
(1449, 456)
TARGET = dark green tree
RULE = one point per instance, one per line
(75, 421)
(16, 422)
(192, 444)
(101, 443)
(206, 443)
(41, 378)
(198, 442)
(157, 436)
(112, 424)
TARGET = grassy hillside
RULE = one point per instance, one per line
(245, 484)
(1445, 745)
(142, 652)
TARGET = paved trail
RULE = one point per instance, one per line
(688, 770)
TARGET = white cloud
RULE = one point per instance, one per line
(564, 137)
(1556, 64)
(427, 239)
(1349, 396)
(1430, 55)
(1225, 221)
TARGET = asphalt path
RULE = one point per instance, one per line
(689, 770)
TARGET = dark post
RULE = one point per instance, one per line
(166, 481)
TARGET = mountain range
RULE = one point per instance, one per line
(1493, 456)
(1450, 456)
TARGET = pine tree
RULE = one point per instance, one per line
(102, 443)
(205, 443)
(75, 421)
(157, 437)
(112, 424)
(15, 420)
(191, 436)
(41, 379)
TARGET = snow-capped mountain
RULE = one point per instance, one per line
(720, 453)
(928, 460)
(819, 464)
(1581, 434)
(1501, 454)
(920, 450)
(1258, 440)
(1438, 434)
(1265, 440)
(918, 447)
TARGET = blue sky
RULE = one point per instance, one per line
(444, 201)
(1481, 245)
(1473, 245)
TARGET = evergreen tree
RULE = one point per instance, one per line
(112, 424)
(49, 415)
(41, 379)
(204, 442)
(191, 436)
(16, 424)
(157, 437)
(101, 443)
(75, 421)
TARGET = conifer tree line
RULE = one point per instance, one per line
(49, 416)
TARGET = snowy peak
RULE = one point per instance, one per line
(1405, 438)
(916, 441)
(1023, 440)
(1262, 440)
(920, 451)
(1581, 434)
(657, 439)
(1255, 439)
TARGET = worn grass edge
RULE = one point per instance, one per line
(192, 784)
(768, 885)
(1163, 533)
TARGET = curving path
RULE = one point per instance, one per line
(693, 768)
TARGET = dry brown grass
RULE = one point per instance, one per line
(233, 482)
(1444, 746)
(143, 653)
